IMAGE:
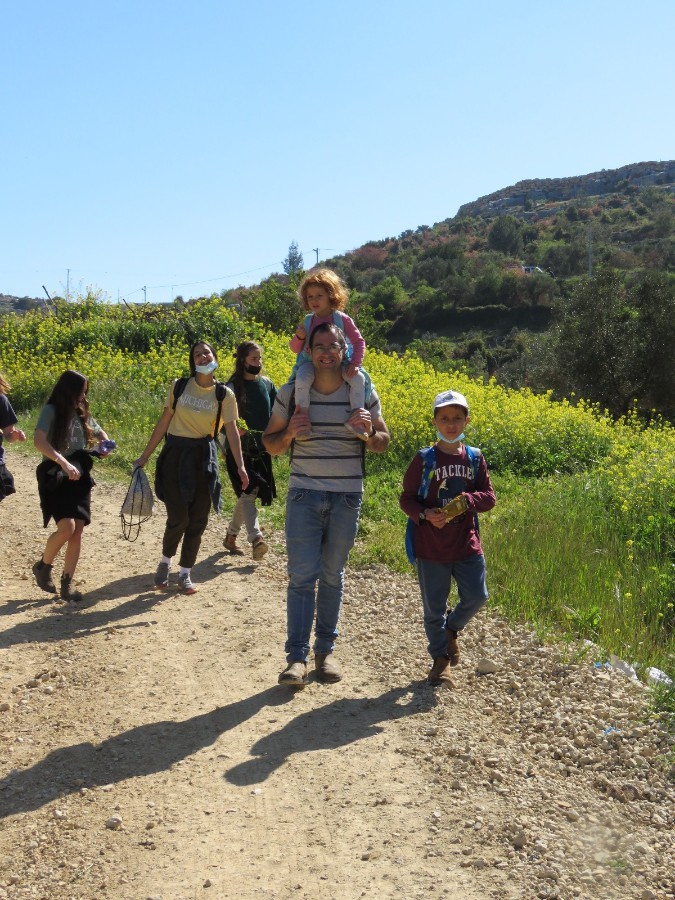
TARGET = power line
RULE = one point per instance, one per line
(174, 285)
(203, 281)
(318, 250)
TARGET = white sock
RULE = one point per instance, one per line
(167, 559)
(183, 571)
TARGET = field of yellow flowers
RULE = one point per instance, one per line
(582, 539)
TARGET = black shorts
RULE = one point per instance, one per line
(6, 482)
(61, 498)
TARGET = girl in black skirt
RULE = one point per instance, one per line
(64, 432)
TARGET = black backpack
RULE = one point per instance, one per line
(221, 390)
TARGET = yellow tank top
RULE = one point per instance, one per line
(195, 413)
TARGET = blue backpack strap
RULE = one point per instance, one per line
(307, 324)
(338, 321)
(368, 384)
(410, 541)
(474, 454)
(428, 455)
(304, 354)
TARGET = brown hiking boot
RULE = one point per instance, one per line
(295, 674)
(67, 592)
(327, 669)
(437, 673)
(453, 648)
(230, 543)
(43, 577)
(260, 548)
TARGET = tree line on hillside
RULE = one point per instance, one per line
(524, 299)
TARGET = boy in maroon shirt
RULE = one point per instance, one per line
(447, 548)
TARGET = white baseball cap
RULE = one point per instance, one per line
(450, 398)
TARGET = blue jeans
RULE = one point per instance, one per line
(435, 580)
(321, 529)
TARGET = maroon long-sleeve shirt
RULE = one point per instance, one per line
(452, 475)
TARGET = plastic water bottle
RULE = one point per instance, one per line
(656, 676)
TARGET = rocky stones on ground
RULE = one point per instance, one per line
(147, 750)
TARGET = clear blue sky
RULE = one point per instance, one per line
(183, 146)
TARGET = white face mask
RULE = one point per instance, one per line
(208, 368)
(445, 440)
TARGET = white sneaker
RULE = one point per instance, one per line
(185, 585)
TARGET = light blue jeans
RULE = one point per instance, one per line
(321, 528)
(435, 580)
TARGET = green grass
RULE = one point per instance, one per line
(557, 558)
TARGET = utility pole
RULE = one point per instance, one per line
(317, 250)
(145, 294)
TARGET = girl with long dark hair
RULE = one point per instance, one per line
(64, 432)
(255, 395)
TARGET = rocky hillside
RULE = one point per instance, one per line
(534, 191)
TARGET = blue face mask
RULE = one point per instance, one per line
(446, 441)
(208, 368)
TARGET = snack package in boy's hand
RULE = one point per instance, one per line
(455, 507)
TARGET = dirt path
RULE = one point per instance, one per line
(147, 751)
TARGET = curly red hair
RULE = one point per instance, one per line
(331, 282)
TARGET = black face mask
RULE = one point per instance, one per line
(253, 370)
